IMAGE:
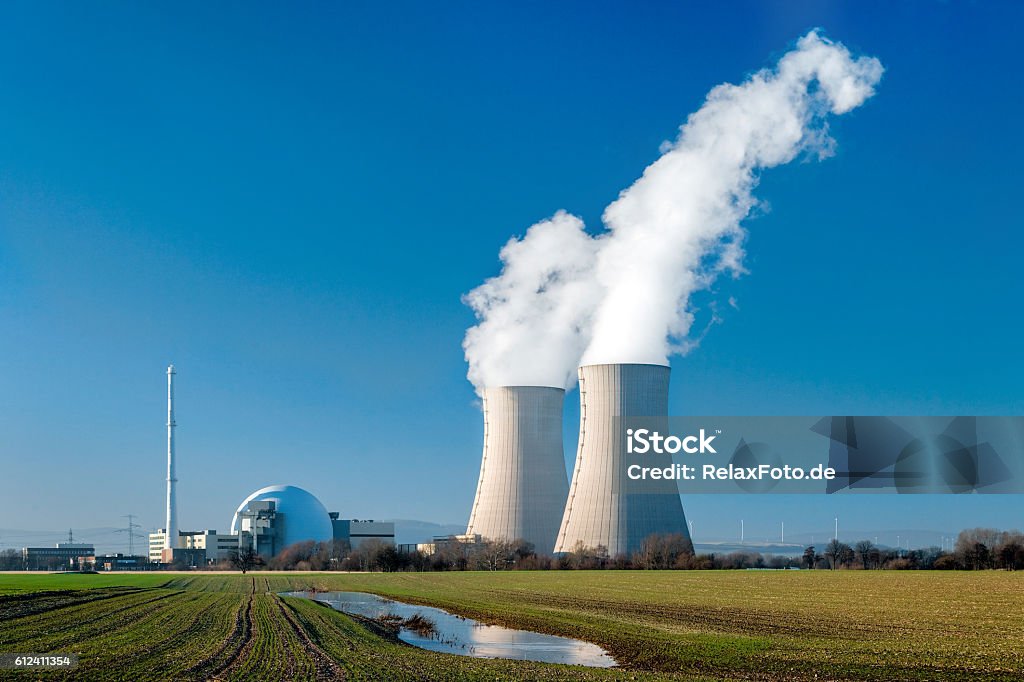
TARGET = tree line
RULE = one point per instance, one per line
(975, 549)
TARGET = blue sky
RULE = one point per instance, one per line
(288, 202)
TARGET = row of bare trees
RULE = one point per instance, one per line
(975, 549)
(657, 552)
(978, 548)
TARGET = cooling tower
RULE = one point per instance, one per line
(522, 488)
(601, 510)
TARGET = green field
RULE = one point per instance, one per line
(800, 625)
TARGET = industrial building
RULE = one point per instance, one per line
(602, 510)
(522, 487)
(440, 542)
(354, 532)
(274, 517)
(216, 546)
(121, 562)
(66, 556)
(157, 543)
(182, 556)
(268, 520)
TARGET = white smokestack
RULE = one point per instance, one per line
(624, 295)
(171, 540)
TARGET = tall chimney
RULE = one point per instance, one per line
(522, 487)
(171, 541)
(603, 509)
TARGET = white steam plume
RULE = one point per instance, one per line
(678, 226)
(564, 297)
(533, 316)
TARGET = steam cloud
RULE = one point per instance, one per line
(566, 298)
(535, 317)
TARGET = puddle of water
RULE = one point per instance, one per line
(466, 637)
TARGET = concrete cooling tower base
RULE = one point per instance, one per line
(602, 510)
(523, 484)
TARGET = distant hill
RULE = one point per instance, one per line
(912, 538)
(778, 549)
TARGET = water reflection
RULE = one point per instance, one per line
(464, 636)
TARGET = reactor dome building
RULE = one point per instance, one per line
(281, 515)
(523, 485)
(603, 509)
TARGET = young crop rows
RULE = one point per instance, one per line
(874, 625)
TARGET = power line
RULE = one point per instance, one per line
(130, 530)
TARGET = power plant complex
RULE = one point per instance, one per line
(522, 491)
(266, 521)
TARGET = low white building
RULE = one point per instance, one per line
(440, 541)
(157, 540)
(216, 546)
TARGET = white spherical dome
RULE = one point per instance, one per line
(305, 518)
